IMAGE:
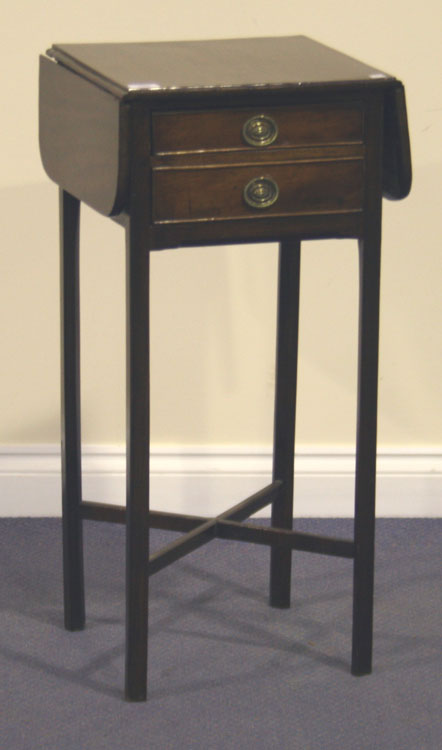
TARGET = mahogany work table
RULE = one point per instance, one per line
(220, 142)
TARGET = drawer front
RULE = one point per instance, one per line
(217, 193)
(219, 130)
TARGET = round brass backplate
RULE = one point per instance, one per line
(260, 130)
(261, 192)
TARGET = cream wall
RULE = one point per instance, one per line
(213, 309)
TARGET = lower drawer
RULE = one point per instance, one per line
(217, 193)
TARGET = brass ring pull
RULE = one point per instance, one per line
(261, 192)
(260, 130)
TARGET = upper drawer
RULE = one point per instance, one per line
(220, 130)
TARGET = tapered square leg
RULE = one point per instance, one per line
(73, 574)
(285, 409)
(366, 432)
(138, 246)
(365, 485)
(137, 523)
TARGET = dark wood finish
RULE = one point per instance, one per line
(165, 68)
(208, 194)
(242, 158)
(137, 410)
(284, 539)
(73, 574)
(181, 547)
(92, 511)
(285, 410)
(365, 482)
(208, 530)
(221, 130)
(396, 146)
(252, 504)
(151, 134)
(83, 137)
(86, 91)
(259, 228)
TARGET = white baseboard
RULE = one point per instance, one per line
(207, 480)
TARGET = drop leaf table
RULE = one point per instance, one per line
(210, 143)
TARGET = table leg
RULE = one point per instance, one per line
(73, 574)
(137, 529)
(285, 411)
(364, 529)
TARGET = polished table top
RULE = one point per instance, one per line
(277, 62)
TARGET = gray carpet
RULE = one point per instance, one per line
(225, 670)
